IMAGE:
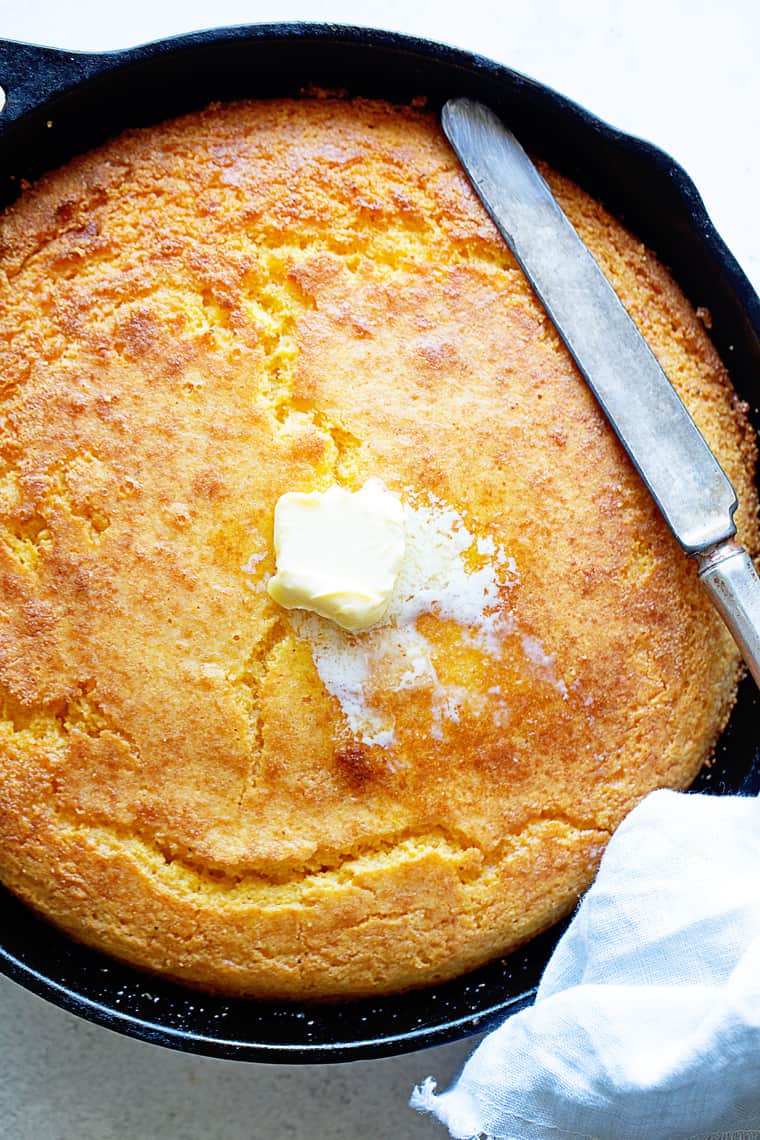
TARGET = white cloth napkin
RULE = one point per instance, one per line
(646, 1025)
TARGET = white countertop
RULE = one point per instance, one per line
(681, 73)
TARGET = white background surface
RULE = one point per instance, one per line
(682, 73)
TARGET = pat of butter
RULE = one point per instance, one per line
(338, 553)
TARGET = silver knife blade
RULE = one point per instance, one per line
(652, 423)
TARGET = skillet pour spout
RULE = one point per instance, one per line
(60, 103)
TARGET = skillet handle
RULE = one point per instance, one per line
(30, 75)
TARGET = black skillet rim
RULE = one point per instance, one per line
(128, 1001)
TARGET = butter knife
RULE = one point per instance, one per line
(668, 450)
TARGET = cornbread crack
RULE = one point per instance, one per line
(37, 722)
(251, 680)
(276, 296)
(180, 872)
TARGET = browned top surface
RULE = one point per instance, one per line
(276, 296)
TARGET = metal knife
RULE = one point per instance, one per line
(667, 448)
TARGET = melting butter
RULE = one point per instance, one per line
(338, 553)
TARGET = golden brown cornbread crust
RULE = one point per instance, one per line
(276, 296)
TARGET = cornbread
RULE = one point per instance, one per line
(278, 297)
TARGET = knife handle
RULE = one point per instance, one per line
(728, 573)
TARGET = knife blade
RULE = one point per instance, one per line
(665, 445)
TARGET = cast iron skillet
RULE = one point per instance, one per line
(59, 103)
